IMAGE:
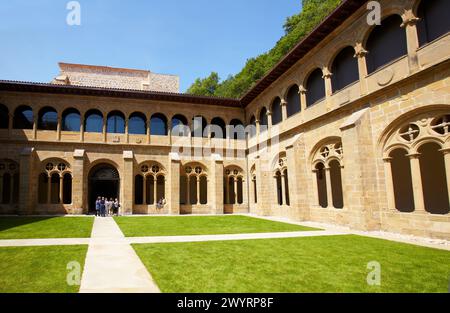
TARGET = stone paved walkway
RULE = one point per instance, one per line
(112, 265)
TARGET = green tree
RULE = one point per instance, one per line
(296, 28)
(206, 86)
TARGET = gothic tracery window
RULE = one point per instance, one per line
(150, 184)
(194, 185)
(55, 183)
(327, 166)
(233, 185)
(282, 182)
(9, 182)
(416, 166)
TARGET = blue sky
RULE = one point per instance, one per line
(188, 38)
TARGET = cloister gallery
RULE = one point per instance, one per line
(352, 127)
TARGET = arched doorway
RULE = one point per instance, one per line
(104, 181)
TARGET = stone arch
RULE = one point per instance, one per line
(389, 33)
(233, 185)
(103, 181)
(315, 87)
(23, 117)
(344, 67)
(422, 133)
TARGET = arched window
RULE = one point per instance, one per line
(336, 184)
(4, 117)
(434, 21)
(237, 130)
(138, 189)
(252, 130)
(321, 185)
(199, 127)
(6, 191)
(279, 184)
(263, 122)
(276, 111)
(293, 101)
(180, 126)
(315, 87)
(195, 185)
(402, 181)
(48, 119)
(286, 183)
(158, 125)
(434, 181)
(23, 118)
(386, 43)
(67, 188)
(345, 69)
(137, 124)
(217, 128)
(115, 123)
(329, 179)
(71, 120)
(233, 186)
(160, 188)
(55, 173)
(54, 189)
(203, 190)
(149, 184)
(93, 122)
(183, 190)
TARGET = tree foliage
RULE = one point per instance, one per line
(296, 28)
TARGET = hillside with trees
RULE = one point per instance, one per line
(296, 28)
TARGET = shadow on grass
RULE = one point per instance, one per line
(16, 221)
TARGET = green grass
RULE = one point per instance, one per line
(38, 269)
(200, 225)
(44, 227)
(313, 264)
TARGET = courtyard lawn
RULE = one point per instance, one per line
(39, 269)
(200, 225)
(45, 227)
(312, 264)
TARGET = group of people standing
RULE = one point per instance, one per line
(104, 207)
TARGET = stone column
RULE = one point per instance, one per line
(155, 190)
(127, 135)
(10, 125)
(328, 84)
(419, 202)
(26, 182)
(447, 169)
(360, 54)
(188, 190)
(235, 191)
(78, 188)
(35, 126)
(389, 183)
(49, 189)
(173, 184)
(148, 131)
(315, 188)
(127, 183)
(303, 101)
(61, 190)
(329, 188)
(284, 109)
(104, 129)
(283, 188)
(412, 40)
(144, 194)
(58, 129)
(82, 128)
(198, 190)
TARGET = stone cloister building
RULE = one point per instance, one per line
(352, 128)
